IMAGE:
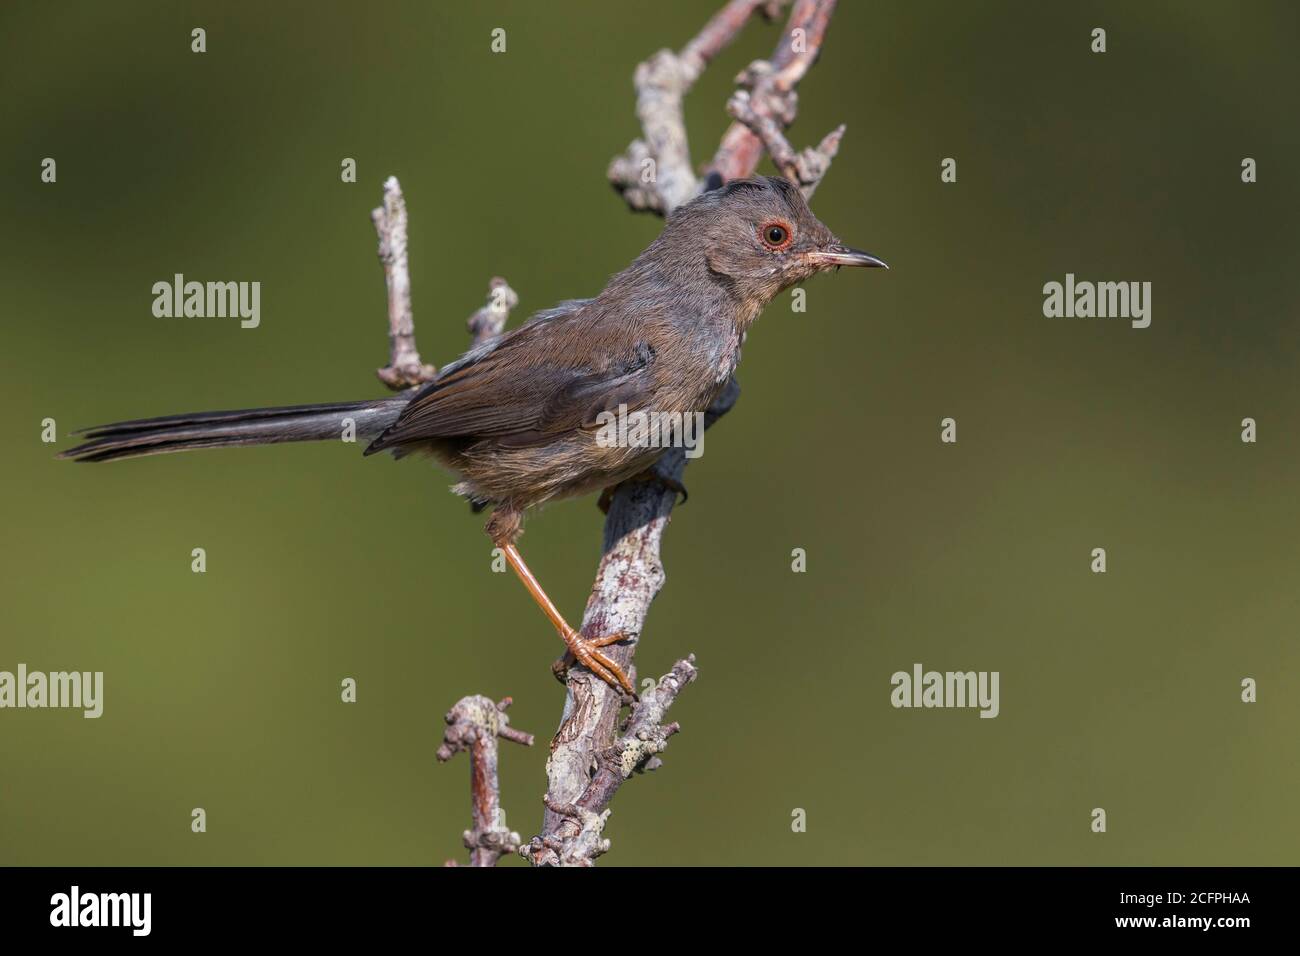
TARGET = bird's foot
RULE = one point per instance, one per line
(650, 474)
(672, 484)
(586, 651)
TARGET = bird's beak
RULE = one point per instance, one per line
(832, 256)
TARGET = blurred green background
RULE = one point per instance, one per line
(222, 689)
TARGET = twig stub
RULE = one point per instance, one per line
(488, 322)
(404, 368)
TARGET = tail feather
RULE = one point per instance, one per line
(228, 429)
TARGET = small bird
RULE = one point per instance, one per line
(516, 418)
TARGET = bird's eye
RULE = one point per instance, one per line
(776, 235)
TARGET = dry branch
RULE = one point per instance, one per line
(628, 578)
(806, 168)
(654, 173)
(474, 724)
(769, 88)
(404, 367)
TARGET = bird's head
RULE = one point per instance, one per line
(760, 234)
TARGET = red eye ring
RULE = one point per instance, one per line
(776, 235)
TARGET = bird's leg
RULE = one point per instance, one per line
(585, 650)
(650, 474)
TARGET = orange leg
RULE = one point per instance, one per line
(584, 650)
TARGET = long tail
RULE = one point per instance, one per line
(252, 426)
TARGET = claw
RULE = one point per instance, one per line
(586, 652)
(607, 640)
(672, 484)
